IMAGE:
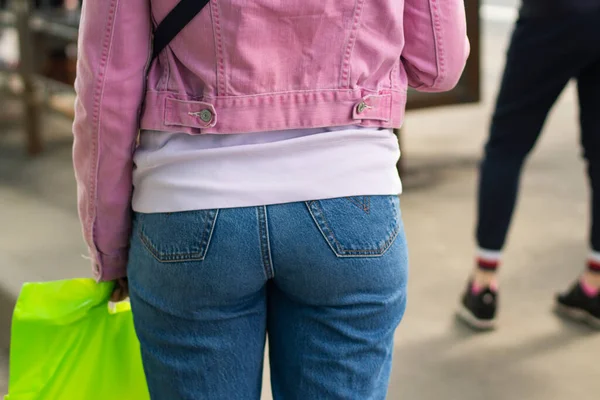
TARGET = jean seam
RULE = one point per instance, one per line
(220, 60)
(345, 73)
(265, 241)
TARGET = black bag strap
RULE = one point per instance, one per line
(174, 22)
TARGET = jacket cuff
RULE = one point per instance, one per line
(109, 267)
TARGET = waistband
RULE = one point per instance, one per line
(171, 112)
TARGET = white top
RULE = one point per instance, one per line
(181, 172)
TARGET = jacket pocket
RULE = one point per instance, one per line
(177, 237)
(364, 226)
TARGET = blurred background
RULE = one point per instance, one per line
(532, 356)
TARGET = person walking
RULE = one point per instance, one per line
(553, 42)
(236, 171)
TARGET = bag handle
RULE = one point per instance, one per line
(183, 13)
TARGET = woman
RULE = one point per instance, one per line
(263, 184)
(553, 42)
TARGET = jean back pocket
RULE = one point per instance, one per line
(177, 237)
(363, 226)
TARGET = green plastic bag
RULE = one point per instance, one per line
(68, 344)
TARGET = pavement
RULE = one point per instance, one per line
(533, 355)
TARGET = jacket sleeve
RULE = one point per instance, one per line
(113, 53)
(436, 44)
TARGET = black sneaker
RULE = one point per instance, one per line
(479, 310)
(578, 306)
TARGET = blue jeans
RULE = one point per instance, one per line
(325, 280)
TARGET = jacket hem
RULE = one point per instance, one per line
(172, 112)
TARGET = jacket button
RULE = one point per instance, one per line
(206, 115)
(362, 106)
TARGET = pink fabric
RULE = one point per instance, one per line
(476, 289)
(494, 286)
(588, 289)
(322, 108)
(256, 65)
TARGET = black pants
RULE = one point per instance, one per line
(544, 55)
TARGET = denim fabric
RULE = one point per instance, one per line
(325, 280)
(544, 55)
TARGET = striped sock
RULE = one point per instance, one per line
(590, 280)
(488, 260)
(594, 262)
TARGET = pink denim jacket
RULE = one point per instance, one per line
(242, 66)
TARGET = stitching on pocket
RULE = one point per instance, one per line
(365, 205)
(323, 226)
(339, 250)
(205, 239)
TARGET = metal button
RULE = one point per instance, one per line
(362, 106)
(206, 115)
